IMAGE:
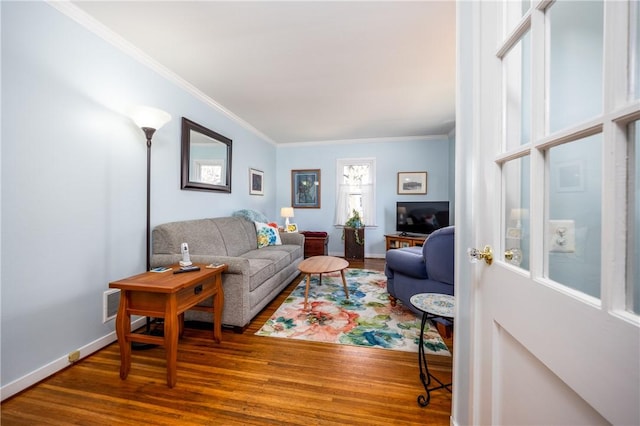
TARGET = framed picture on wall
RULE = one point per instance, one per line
(256, 182)
(305, 189)
(412, 182)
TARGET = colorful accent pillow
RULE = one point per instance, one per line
(267, 235)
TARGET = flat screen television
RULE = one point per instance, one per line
(421, 217)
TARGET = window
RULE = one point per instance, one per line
(356, 189)
(209, 171)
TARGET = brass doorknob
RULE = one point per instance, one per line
(513, 256)
(486, 254)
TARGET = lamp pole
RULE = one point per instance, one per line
(149, 120)
(148, 131)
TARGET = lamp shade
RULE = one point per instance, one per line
(286, 212)
(148, 117)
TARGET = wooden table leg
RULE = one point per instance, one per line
(180, 325)
(218, 301)
(306, 290)
(123, 329)
(171, 339)
(344, 283)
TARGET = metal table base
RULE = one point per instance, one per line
(425, 376)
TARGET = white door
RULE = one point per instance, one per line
(547, 112)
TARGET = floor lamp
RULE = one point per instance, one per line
(149, 120)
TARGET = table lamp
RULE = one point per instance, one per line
(286, 212)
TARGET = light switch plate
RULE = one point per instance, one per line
(562, 236)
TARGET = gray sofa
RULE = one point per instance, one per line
(254, 276)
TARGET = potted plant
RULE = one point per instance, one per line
(355, 222)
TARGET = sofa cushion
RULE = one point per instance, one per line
(202, 235)
(260, 270)
(267, 235)
(238, 235)
(274, 254)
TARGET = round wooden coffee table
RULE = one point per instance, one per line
(322, 265)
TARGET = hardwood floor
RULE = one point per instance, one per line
(247, 379)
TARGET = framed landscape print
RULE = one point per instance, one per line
(412, 182)
(255, 182)
(305, 189)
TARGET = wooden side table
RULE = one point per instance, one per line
(315, 243)
(354, 250)
(166, 295)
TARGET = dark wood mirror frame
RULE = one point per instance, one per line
(216, 151)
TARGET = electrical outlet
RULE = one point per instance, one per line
(562, 236)
(74, 356)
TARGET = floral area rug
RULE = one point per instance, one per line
(366, 318)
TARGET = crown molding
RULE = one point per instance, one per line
(99, 29)
(365, 140)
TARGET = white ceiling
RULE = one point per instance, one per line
(305, 71)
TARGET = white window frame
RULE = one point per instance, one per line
(369, 217)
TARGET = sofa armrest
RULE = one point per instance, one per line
(294, 238)
(407, 262)
(236, 265)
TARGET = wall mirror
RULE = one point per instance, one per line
(206, 158)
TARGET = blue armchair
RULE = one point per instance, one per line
(426, 269)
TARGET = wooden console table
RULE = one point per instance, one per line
(166, 295)
(398, 241)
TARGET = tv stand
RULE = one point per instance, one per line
(403, 239)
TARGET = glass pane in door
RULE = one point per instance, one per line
(634, 56)
(516, 215)
(633, 220)
(517, 80)
(575, 62)
(573, 224)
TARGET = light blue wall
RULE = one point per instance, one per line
(74, 179)
(392, 156)
(73, 182)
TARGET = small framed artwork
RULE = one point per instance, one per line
(292, 227)
(256, 182)
(412, 182)
(305, 189)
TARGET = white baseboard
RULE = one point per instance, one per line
(61, 363)
(371, 256)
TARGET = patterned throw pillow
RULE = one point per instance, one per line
(267, 235)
